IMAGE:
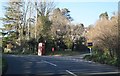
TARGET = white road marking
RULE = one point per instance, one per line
(104, 73)
(39, 62)
(71, 73)
(29, 62)
(49, 63)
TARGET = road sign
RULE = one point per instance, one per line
(89, 44)
(89, 40)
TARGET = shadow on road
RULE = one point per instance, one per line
(114, 74)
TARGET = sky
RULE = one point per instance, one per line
(86, 12)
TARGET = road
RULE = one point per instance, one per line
(54, 66)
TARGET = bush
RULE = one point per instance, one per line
(87, 57)
(6, 50)
(103, 58)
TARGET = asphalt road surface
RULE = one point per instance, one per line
(55, 66)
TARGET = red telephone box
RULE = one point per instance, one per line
(41, 49)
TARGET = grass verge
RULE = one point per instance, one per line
(103, 60)
(64, 53)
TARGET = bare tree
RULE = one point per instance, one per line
(105, 35)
